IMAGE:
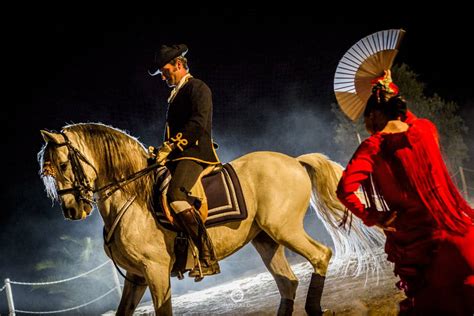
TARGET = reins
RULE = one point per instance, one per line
(82, 183)
(108, 236)
(82, 187)
(119, 183)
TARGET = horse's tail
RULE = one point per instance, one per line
(357, 248)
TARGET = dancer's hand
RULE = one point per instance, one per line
(381, 219)
(386, 220)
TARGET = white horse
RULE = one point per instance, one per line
(92, 163)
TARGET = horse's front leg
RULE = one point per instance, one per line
(133, 291)
(158, 279)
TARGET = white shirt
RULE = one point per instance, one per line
(180, 84)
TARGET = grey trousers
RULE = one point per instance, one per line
(184, 174)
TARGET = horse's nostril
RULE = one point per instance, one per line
(88, 208)
(68, 212)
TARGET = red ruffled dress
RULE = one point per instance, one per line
(433, 246)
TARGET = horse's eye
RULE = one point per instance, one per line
(63, 166)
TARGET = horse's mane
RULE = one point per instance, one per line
(118, 153)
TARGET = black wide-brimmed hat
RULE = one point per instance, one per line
(165, 54)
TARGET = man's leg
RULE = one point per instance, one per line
(185, 175)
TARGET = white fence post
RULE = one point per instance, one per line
(11, 305)
(116, 280)
(464, 185)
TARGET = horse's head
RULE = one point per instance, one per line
(68, 175)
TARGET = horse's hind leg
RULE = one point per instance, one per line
(131, 295)
(273, 255)
(297, 240)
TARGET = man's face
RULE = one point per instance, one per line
(170, 74)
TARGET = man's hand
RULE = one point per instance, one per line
(152, 151)
(163, 153)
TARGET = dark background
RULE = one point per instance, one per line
(271, 76)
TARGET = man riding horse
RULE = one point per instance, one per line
(188, 148)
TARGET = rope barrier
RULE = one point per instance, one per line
(3, 288)
(61, 281)
(68, 309)
(466, 169)
(455, 174)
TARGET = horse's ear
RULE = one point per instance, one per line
(50, 137)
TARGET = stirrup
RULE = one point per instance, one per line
(200, 271)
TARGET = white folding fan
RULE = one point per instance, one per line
(363, 62)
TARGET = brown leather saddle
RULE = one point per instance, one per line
(218, 196)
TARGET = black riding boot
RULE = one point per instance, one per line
(192, 224)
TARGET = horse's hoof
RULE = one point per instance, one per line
(328, 312)
(286, 307)
(324, 312)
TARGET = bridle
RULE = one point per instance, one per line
(82, 188)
